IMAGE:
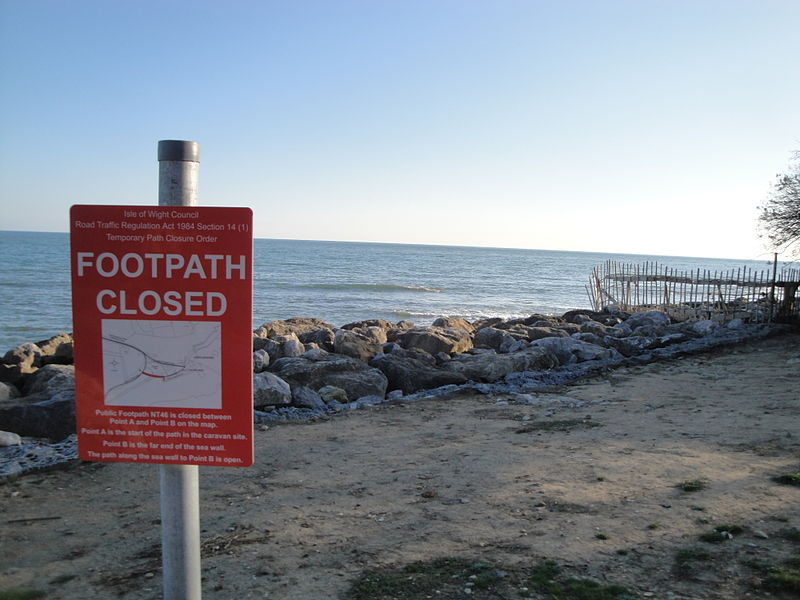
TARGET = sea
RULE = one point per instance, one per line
(340, 282)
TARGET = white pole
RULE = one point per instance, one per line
(180, 497)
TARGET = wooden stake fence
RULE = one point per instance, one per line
(755, 296)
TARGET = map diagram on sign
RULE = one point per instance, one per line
(172, 364)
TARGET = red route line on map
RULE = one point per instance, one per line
(153, 376)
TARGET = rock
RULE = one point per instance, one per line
(398, 329)
(53, 418)
(10, 373)
(352, 343)
(321, 337)
(28, 357)
(512, 345)
(490, 322)
(382, 324)
(454, 323)
(655, 318)
(8, 392)
(307, 398)
(57, 349)
(735, 324)
(9, 438)
(408, 372)
(589, 338)
(315, 354)
(607, 317)
(291, 326)
(352, 375)
(493, 367)
(291, 348)
(270, 390)
(270, 346)
(631, 346)
(331, 393)
(260, 361)
(592, 326)
(700, 328)
(569, 350)
(538, 333)
(49, 381)
(436, 339)
(491, 337)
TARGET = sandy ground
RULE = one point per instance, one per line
(459, 477)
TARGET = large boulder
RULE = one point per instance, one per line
(490, 367)
(307, 398)
(289, 326)
(652, 318)
(411, 371)
(53, 418)
(321, 337)
(545, 331)
(632, 345)
(570, 350)
(57, 349)
(8, 392)
(379, 323)
(436, 339)
(357, 345)
(27, 357)
(270, 390)
(454, 323)
(498, 340)
(49, 381)
(320, 369)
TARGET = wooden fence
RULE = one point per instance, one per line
(755, 296)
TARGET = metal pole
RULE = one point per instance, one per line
(179, 162)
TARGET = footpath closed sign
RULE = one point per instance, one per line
(162, 305)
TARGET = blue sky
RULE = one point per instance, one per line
(644, 127)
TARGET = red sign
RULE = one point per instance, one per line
(162, 304)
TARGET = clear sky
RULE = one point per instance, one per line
(646, 126)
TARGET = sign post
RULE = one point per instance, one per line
(162, 305)
(178, 164)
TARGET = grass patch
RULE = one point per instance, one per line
(449, 578)
(443, 577)
(602, 536)
(543, 580)
(691, 485)
(21, 594)
(720, 533)
(788, 479)
(782, 580)
(792, 534)
(686, 557)
(557, 425)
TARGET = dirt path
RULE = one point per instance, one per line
(465, 477)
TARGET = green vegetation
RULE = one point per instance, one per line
(792, 534)
(448, 578)
(721, 533)
(685, 559)
(558, 425)
(691, 485)
(779, 579)
(543, 580)
(21, 594)
(424, 578)
(601, 536)
(788, 479)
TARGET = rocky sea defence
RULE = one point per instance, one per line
(306, 368)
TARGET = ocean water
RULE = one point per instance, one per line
(339, 282)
